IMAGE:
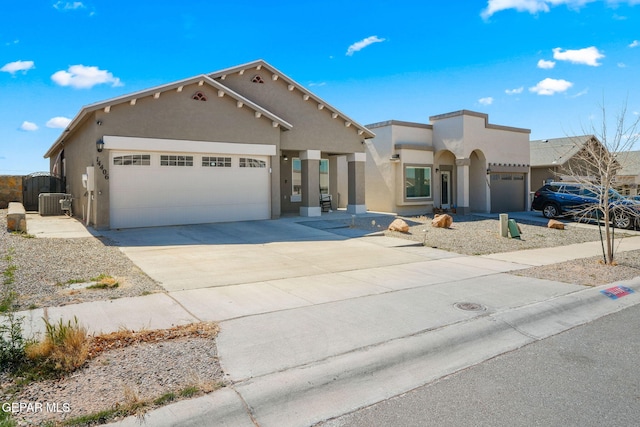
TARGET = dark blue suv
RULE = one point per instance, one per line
(571, 199)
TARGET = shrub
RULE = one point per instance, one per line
(12, 343)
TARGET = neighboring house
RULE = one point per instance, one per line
(243, 143)
(628, 177)
(560, 159)
(459, 161)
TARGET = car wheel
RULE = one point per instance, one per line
(550, 210)
(622, 221)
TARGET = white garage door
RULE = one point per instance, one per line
(154, 189)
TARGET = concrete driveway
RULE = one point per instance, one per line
(213, 255)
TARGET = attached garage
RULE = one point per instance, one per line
(508, 192)
(227, 182)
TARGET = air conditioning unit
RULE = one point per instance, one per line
(49, 203)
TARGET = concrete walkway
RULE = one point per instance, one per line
(315, 325)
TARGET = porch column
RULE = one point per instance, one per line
(276, 207)
(356, 164)
(310, 160)
(462, 185)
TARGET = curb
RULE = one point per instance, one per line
(306, 395)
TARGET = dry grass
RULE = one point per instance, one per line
(64, 348)
(125, 337)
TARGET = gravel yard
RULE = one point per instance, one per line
(472, 235)
(48, 269)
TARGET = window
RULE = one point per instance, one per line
(571, 189)
(324, 176)
(132, 160)
(216, 162)
(296, 180)
(246, 162)
(417, 182)
(170, 160)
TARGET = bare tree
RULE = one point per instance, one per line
(595, 168)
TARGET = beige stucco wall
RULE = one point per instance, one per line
(80, 152)
(463, 134)
(312, 127)
(385, 178)
(539, 175)
(174, 115)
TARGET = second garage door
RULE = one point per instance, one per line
(508, 192)
(155, 189)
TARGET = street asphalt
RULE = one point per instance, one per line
(316, 324)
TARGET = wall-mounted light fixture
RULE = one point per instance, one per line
(100, 145)
(437, 170)
(488, 171)
(99, 122)
(285, 157)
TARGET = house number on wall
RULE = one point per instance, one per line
(104, 170)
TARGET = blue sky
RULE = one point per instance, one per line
(546, 65)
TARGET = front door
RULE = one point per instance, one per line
(445, 189)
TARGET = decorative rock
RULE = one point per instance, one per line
(442, 221)
(555, 224)
(399, 225)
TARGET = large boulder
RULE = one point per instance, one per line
(555, 224)
(442, 221)
(399, 225)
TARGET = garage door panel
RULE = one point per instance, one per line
(508, 192)
(154, 195)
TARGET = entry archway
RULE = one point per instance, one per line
(478, 183)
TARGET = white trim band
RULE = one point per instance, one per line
(129, 143)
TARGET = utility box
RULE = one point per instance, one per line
(49, 203)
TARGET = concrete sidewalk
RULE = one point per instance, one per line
(351, 324)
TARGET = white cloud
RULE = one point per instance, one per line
(68, 5)
(531, 6)
(317, 84)
(634, 43)
(28, 126)
(581, 93)
(621, 65)
(14, 67)
(83, 77)
(58, 122)
(587, 56)
(546, 65)
(486, 101)
(550, 86)
(514, 91)
(362, 44)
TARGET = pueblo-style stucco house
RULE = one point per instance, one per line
(459, 160)
(243, 143)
